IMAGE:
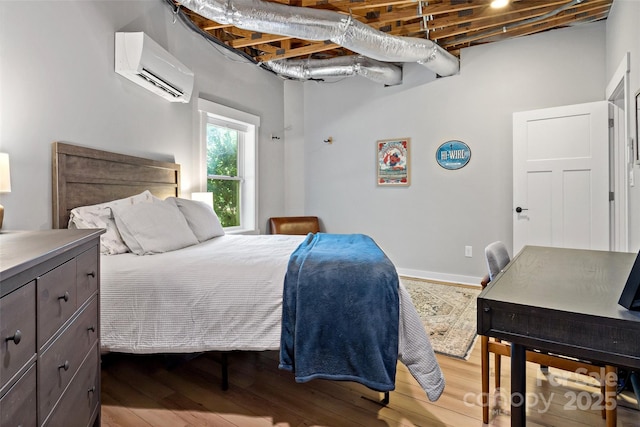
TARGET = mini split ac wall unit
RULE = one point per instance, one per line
(145, 62)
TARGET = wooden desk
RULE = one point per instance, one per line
(563, 301)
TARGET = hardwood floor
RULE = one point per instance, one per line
(152, 390)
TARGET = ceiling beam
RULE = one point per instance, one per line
(300, 51)
(594, 13)
(510, 20)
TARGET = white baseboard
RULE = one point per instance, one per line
(440, 277)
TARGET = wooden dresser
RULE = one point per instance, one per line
(49, 328)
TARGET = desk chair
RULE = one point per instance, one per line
(294, 225)
(497, 258)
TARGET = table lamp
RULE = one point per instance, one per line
(5, 180)
(206, 197)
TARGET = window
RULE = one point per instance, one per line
(228, 152)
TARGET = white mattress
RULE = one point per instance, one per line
(223, 294)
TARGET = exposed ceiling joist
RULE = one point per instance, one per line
(451, 24)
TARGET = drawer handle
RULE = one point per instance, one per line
(91, 328)
(91, 390)
(64, 366)
(92, 274)
(15, 338)
(65, 297)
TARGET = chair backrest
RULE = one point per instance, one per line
(294, 225)
(497, 258)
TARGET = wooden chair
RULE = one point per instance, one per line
(497, 258)
(294, 225)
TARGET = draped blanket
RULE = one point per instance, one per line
(340, 315)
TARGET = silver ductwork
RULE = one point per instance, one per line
(341, 66)
(321, 25)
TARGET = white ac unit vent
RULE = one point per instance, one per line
(145, 62)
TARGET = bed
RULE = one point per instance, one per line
(228, 292)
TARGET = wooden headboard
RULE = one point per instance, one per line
(84, 176)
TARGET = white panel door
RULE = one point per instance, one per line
(561, 177)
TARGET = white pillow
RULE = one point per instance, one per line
(201, 218)
(100, 216)
(152, 228)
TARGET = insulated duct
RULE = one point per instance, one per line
(341, 66)
(320, 25)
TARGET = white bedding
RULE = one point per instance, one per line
(213, 297)
(210, 296)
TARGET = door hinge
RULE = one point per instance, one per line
(610, 123)
(611, 196)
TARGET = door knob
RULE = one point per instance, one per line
(519, 209)
(16, 337)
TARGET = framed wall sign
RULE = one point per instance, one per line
(453, 155)
(393, 162)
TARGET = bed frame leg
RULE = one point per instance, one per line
(383, 402)
(224, 364)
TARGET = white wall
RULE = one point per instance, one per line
(293, 141)
(57, 83)
(425, 227)
(623, 35)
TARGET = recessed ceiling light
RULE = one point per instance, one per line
(499, 3)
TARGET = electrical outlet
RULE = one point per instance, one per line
(468, 251)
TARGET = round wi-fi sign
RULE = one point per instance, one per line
(453, 155)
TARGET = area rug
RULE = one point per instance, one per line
(448, 313)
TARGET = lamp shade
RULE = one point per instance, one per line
(5, 176)
(203, 197)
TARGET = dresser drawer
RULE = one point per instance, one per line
(18, 406)
(82, 398)
(59, 363)
(56, 300)
(17, 322)
(87, 275)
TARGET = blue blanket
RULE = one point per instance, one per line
(340, 312)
